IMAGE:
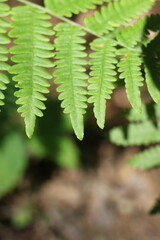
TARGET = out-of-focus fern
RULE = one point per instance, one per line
(144, 131)
(30, 55)
(147, 159)
(136, 134)
(132, 48)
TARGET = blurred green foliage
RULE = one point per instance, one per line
(142, 130)
(12, 162)
(23, 216)
(49, 143)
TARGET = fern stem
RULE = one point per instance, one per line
(64, 19)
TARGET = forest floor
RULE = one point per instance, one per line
(110, 202)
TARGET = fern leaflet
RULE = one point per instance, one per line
(29, 27)
(70, 73)
(129, 66)
(130, 36)
(103, 76)
(68, 7)
(117, 13)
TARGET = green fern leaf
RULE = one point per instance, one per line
(117, 13)
(68, 7)
(129, 66)
(29, 27)
(70, 73)
(135, 134)
(130, 36)
(4, 25)
(103, 76)
(147, 159)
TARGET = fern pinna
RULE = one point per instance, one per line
(70, 73)
(29, 27)
(129, 67)
(67, 8)
(117, 48)
(103, 76)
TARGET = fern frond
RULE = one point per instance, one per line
(68, 7)
(4, 66)
(117, 13)
(129, 67)
(147, 159)
(130, 36)
(135, 134)
(102, 76)
(30, 55)
(70, 73)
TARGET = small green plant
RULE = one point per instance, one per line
(143, 130)
(130, 50)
